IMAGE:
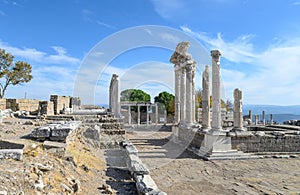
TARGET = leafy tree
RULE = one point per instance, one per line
(12, 73)
(135, 95)
(198, 99)
(168, 100)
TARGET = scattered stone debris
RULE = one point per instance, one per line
(55, 131)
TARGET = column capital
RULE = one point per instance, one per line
(215, 54)
(237, 94)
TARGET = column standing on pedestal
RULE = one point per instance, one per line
(216, 91)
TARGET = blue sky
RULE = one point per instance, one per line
(259, 41)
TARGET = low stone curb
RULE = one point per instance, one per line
(144, 183)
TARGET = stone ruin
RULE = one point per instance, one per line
(56, 131)
(210, 139)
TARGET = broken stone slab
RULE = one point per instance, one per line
(56, 132)
(50, 144)
(131, 149)
(145, 184)
(41, 133)
(11, 150)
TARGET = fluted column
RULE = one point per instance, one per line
(205, 99)
(216, 91)
(189, 94)
(193, 93)
(177, 93)
(183, 95)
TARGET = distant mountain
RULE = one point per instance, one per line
(271, 109)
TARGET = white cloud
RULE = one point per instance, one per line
(269, 77)
(240, 50)
(167, 8)
(35, 55)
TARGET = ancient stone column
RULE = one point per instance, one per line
(237, 114)
(271, 119)
(216, 91)
(183, 95)
(190, 66)
(147, 114)
(156, 114)
(139, 115)
(205, 99)
(177, 92)
(256, 120)
(263, 118)
(193, 94)
(250, 116)
(114, 96)
(129, 115)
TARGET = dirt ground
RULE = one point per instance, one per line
(83, 169)
(182, 172)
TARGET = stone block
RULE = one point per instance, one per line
(11, 150)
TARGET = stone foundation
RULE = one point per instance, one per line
(267, 143)
(253, 142)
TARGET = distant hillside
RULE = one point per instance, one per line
(271, 109)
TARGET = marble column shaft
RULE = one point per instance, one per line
(183, 95)
(177, 93)
(238, 115)
(189, 93)
(216, 91)
(205, 99)
(263, 117)
(250, 116)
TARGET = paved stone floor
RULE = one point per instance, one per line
(177, 171)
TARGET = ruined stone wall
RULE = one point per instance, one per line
(60, 102)
(2, 104)
(288, 143)
(22, 104)
(47, 108)
(75, 103)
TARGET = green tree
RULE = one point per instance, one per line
(135, 95)
(12, 73)
(167, 100)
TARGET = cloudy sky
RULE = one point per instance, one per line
(74, 45)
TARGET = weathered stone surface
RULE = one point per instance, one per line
(216, 91)
(114, 96)
(49, 145)
(206, 99)
(92, 133)
(11, 150)
(238, 110)
(56, 132)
